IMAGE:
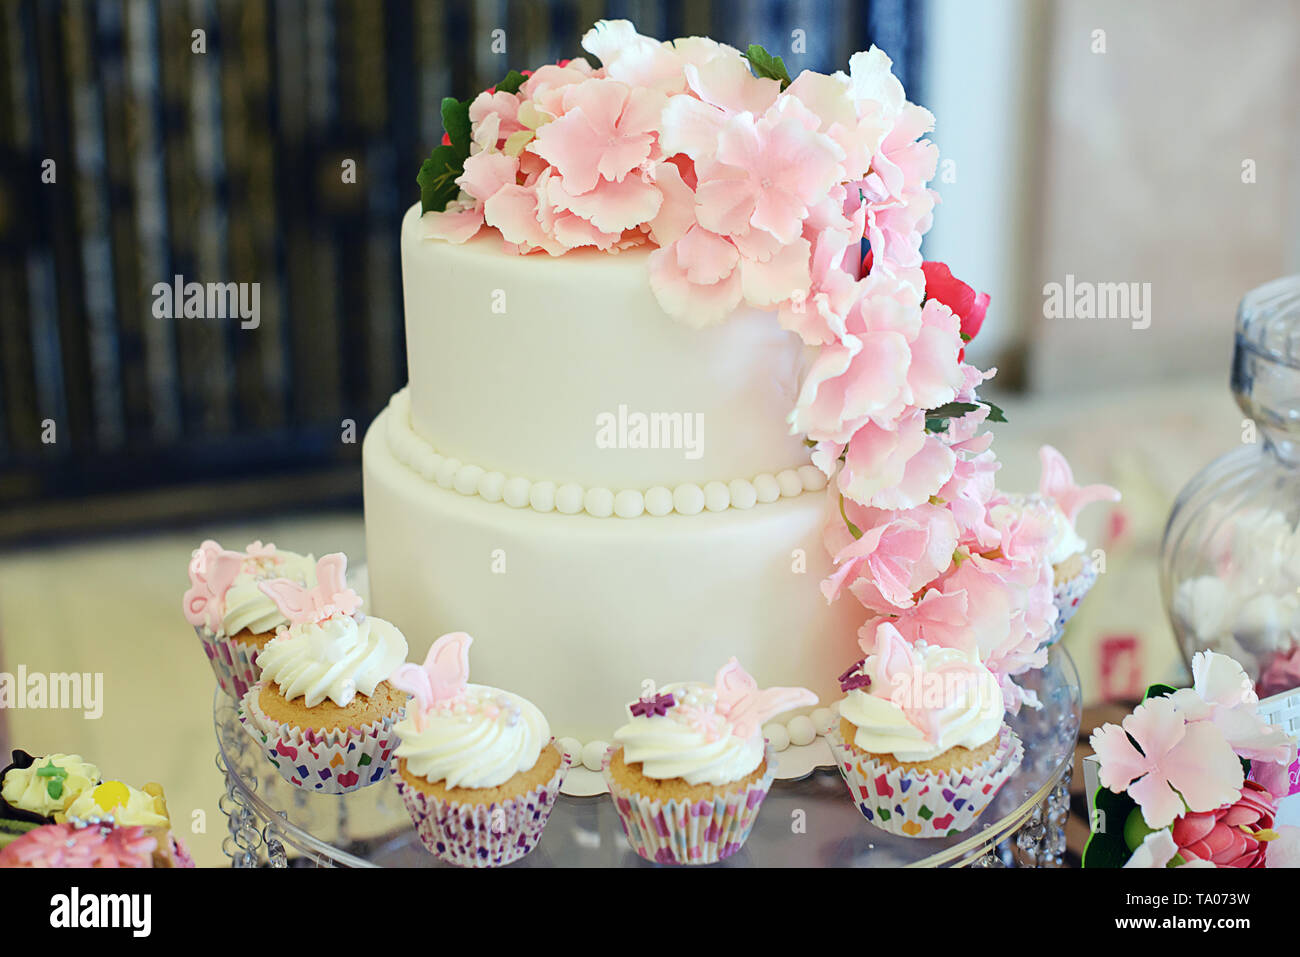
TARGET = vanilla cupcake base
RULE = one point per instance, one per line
(672, 822)
(484, 827)
(332, 761)
(913, 800)
(234, 658)
(1074, 578)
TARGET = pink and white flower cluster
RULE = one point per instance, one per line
(1179, 758)
(757, 196)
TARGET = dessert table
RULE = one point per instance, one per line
(808, 822)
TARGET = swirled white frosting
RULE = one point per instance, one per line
(247, 606)
(692, 741)
(479, 740)
(962, 704)
(334, 658)
(1064, 541)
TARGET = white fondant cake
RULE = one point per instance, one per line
(506, 494)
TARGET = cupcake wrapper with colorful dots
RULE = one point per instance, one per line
(482, 835)
(1067, 596)
(329, 762)
(689, 832)
(233, 663)
(920, 804)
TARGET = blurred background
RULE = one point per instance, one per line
(1111, 142)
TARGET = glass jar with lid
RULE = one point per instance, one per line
(1230, 560)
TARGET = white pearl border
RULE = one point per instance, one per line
(570, 499)
(800, 730)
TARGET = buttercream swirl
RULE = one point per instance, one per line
(27, 790)
(479, 740)
(334, 658)
(948, 699)
(691, 740)
(127, 806)
(247, 606)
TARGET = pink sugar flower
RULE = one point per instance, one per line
(1223, 693)
(890, 562)
(1181, 766)
(895, 469)
(1233, 835)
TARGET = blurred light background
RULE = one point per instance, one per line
(1154, 142)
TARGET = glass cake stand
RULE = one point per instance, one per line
(810, 822)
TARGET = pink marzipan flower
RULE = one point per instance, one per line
(1230, 835)
(1223, 693)
(895, 469)
(891, 561)
(1182, 766)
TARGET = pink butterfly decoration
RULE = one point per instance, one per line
(330, 596)
(748, 708)
(212, 571)
(257, 550)
(441, 679)
(1057, 483)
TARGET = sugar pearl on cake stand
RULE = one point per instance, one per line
(593, 754)
(802, 730)
(822, 719)
(776, 736)
(572, 747)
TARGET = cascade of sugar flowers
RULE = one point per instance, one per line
(760, 189)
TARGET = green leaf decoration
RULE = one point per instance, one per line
(936, 420)
(55, 789)
(1159, 691)
(437, 178)
(455, 123)
(766, 65)
(853, 529)
(512, 82)
(1106, 846)
(995, 413)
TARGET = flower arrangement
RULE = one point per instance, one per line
(1192, 778)
(757, 189)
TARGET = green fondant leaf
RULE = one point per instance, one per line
(512, 82)
(1159, 691)
(767, 65)
(437, 179)
(1106, 846)
(455, 123)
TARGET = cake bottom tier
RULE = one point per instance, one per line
(580, 614)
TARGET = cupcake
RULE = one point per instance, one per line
(38, 790)
(921, 740)
(232, 616)
(71, 845)
(1057, 506)
(690, 768)
(120, 805)
(324, 710)
(476, 766)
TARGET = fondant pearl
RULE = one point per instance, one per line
(515, 492)
(568, 499)
(801, 730)
(789, 482)
(491, 485)
(813, 478)
(742, 492)
(822, 719)
(593, 755)
(599, 502)
(658, 501)
(467, 479)
(542, 496)
(766, 487)
(629, 503)
(426, 461)
(446, 476)
(776, 736)
(572, 747)
(688, 499)
(716, 497)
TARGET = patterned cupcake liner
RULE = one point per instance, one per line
(921, 804)
(326, 762)
(482, 835)
(689, 832)
(233, 663)
(1067, 595)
